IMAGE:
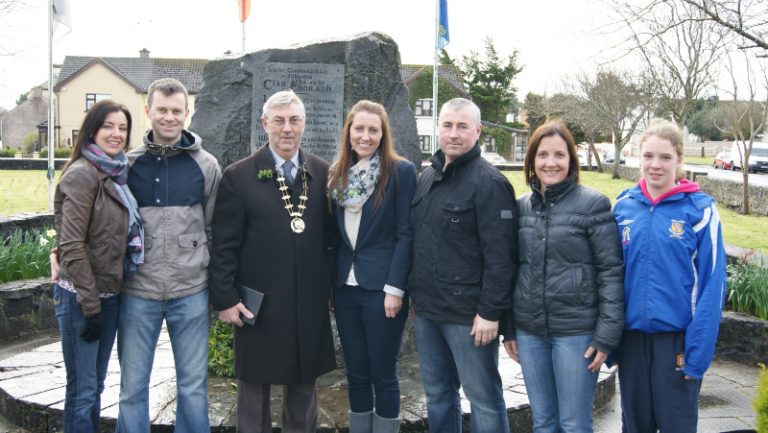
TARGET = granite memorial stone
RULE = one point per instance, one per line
(329, 76)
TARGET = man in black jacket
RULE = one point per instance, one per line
(465, 238)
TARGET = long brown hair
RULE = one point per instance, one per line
(91, 124)
(549, 129)
(339, 173)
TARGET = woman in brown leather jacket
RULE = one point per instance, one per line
(99, 240)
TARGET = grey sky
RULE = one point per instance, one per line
(553, 36)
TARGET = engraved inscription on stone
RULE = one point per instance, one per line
(320, 86)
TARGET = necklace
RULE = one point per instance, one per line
(297, 224)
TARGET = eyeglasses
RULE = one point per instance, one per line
(279, 122)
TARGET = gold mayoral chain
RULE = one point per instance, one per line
(297, 224)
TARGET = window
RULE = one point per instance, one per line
(424, 107)
(424, 142)
(92, 98)
(75, 133)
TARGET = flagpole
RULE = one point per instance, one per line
(50, 173)
(433, 144)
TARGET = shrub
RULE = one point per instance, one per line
(760, 403)
(220, 352)
(28, 142)
(25, 255)
(748, 287)
(7, 152)
(58, 152)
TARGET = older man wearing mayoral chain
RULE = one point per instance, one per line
(273, 232)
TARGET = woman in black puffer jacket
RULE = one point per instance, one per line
(568, 302)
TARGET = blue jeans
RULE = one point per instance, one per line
(140, 324)
(449, 359)
(85, 363)
(559, 385)
(370, 342)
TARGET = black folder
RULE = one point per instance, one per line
(252, 300)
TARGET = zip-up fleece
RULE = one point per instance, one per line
(175, 187)
(675, 267)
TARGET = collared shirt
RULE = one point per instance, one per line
(279, 161)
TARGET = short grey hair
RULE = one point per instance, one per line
(457, 104)
(168, 87)
(281, 99)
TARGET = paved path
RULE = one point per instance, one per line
(725, 404)
(32, 381)
(32, 394)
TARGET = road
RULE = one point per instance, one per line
(757, 179)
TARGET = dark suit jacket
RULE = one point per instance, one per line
(253, 245)
(382, 253)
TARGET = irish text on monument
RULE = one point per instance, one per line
(320, 86)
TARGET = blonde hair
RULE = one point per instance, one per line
(669, 131)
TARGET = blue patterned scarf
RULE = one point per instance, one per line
(117, 169)
(361, 182)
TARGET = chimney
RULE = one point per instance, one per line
(144, 53)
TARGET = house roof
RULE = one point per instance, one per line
(450, 73)
(139, 72)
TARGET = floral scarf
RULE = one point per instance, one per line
(117, 169)
(361, 182)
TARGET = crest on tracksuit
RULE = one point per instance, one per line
(676, 229)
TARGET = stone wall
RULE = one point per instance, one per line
(725, 192)
(30, 164)
(26, 307)
(25, 222)
(743, 339)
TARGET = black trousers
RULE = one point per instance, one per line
(299, 408)
(654, 394)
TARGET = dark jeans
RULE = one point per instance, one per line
(86, 363)
(370, 342)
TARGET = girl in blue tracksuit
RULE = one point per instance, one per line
(674, 288)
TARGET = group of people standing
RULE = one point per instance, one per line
(161, 234)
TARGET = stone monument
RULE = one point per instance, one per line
(329, 76)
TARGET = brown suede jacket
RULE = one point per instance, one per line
(91, 231)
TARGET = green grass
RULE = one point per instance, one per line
(707, 160)
(23, 191)
(745, 231)
(27, 191)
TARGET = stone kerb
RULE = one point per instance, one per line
(25, 222)
(743, 339)
(26, 307)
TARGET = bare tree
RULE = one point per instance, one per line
(576, 110)
(681, 49)
(746, 18)
(616, 100)
(745, 119)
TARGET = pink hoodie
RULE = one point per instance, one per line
(683, 185)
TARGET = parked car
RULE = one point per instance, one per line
(723, 161)
(609, 156)
(582, 154)
(758, 158)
